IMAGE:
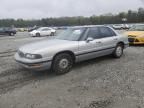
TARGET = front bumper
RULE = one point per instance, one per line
(32, 34)
(135, 41)
(39, 66)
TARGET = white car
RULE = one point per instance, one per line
(118, 26)
(43, 31)
(121, 26)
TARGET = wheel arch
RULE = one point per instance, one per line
(122, 43)
(67, 52)
(37, 33)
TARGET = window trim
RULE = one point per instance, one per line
(84, 36)
(110, 30)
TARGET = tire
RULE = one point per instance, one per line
(52, 34)
(38, 35)
(11, 34)
(62, 63)
(118, 52)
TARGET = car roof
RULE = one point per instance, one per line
(89, 26)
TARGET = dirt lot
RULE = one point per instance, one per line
(100, 83)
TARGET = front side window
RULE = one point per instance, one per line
(43, 29)
(106, 32)
(46, 29)
(94, 33)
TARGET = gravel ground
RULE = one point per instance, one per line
(99, 83)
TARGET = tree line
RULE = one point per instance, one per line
(123, 17)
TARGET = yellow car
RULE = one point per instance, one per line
(136, 34)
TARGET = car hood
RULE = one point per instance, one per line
(49, 44)
(134, 33)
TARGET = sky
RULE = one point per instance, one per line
(36, 9)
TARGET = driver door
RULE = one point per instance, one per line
(89, 47)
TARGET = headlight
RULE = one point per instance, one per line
(33, 56)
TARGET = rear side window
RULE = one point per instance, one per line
(46, 29)
(106, 32)
(94, 33)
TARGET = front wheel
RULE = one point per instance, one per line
(62, 63)
(52, 33)
(11, 34)
(38, 35)
(118, 52)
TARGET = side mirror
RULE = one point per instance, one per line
(89, 39)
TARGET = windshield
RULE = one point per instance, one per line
(72, 34)
(137, 28)
(41, 28)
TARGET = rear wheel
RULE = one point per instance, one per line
(62, 63)
(118, 52)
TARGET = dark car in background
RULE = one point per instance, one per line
(7, 31)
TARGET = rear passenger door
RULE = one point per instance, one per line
(109, 39)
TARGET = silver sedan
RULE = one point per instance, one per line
(73, 45)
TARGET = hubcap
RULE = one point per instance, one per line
(119, 51)
(63, 63)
